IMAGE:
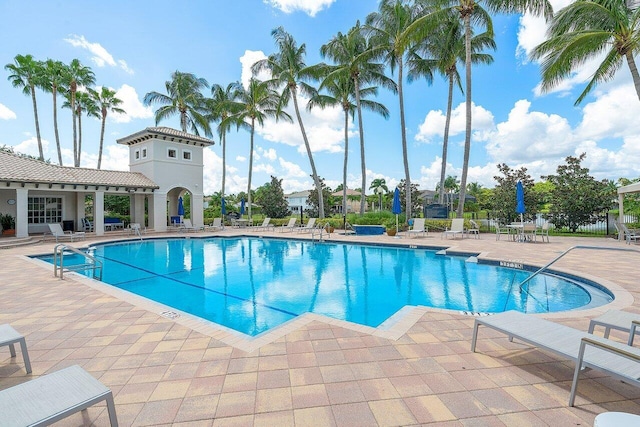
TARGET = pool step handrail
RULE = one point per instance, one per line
(92, 263)
(605, 248)
(320, 230)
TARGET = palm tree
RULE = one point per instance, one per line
(106, 101)
(288, 68)
(184, 97)
(222, 110)
(54, 78)
(255, 104)
(353, 56)
(77, 74)
(83, 103)
(25, 74)
(582, 31)
(443, 49)
(379, 186)
(388, 29)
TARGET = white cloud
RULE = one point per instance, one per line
(292, 170)
(101, 56)
(247, 60)
(264, 167)
(613, 114)
(241, 158)
(310, 7)
(6, 113)
(114, 157)
(131, 103)
(268, 154)
(30, 146)
(433, 125)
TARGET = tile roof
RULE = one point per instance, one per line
(14, 168)
(350, 192)
(165, 133)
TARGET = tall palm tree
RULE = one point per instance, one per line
(54, 79)
(106, 102)
(353, 57)
(77, 74)
(379, 186)
(585, 29)
(25, 74)
(288, 68)
(388, 28)
(253, 105)
(83, 103)
(222, 109)
(184, 97)
(477, 11)
(441, 52)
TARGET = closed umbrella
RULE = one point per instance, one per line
(223, 211)
(396, 208)
(242, 206)
(520, 208)
(180, 207)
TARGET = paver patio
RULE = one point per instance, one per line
(314, 370)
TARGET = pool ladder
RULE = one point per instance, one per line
(91, 263)
(605, 248)
(319, 231)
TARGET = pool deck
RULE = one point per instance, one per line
(313, 370)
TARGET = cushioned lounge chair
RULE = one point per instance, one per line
(418, 227)
(10, 337)
(58, 233)
(457, 228)
(586, 350)
(619, 320)
(53, 397)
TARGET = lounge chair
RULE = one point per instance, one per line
(457, 228)
(10, 337)
(502, 229)
(529, 232)
(619, 320)
(627, 235)
(87, 225)
(188, 226)
(544, 231)
(475, 229)
(135, 229)
(265, 225)
(586, 350)
(53, 397)
(58, 233)
(215, 225)
(291, 225)
(418, 227)
(311, 224)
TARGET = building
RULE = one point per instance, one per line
(298, 201)
(353, 201)
(164, 164)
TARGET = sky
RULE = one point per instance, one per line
(133, 47)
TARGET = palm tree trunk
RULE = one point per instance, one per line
(55, 123)
(224, 160)
(76, 157)
(363, 167)
(79, 137)
(634, 72)
(250, 166)
(316, 180)
(405, 155)
(467, 137)
(346, 158)
(445, 141)
(104, 119)
(35, 114)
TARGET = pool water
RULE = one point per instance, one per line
(254, 284)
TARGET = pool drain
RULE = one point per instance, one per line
(170, 314)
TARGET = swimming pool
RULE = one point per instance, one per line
(254, 284)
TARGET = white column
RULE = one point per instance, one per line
(80, 197)
(158, 216)
(98, 213)
(137, 208)
(620, 211)
(197, 210)
(22, 222)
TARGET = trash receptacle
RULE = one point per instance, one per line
(67, 225)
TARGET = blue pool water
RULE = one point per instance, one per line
(252, 285)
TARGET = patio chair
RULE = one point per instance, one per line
(53, 397)
(311, 224)
(502, 229)
(457, 228)
(135, 229)
(58, 233)
(291, 225)
(627, 234)
(215, 225)
(475, 229)
(188, 226)
(87, 225)
(265, 225)
(619, 360)
(529, 232)
(544, 231)
(619, 320)
(418, 227)
(10, 337)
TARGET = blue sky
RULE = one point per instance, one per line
(133, 47)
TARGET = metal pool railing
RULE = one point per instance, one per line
(91, 263)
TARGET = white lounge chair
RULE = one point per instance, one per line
(188, 226)
(502, 229)
(627, 235)
(53, 397)
(135, 229)
(265, 225)
(58, 233)
(457, 228)
(619, 320)
(291, 225)
(10, 337)
(418, 227)
(87, 225)
(311, 224)
(586, 350)
(544, 231)
(475, 229)
(215, 225)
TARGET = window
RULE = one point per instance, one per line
(137, 155)
(172, 153)
(186, 155)
(44, 210)
(144, 153)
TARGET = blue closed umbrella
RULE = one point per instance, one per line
(520, 208)
(224, 207)
(396, 208)
(180, 206)
(242, 206)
